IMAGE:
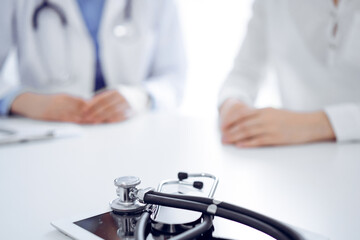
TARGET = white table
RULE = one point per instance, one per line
(314, 187)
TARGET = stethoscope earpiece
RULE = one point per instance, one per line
(182, 176)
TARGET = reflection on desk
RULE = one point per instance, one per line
(313, 187)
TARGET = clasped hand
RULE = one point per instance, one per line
(106, 107)
(244, 126)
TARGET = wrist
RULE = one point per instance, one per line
(320, 127)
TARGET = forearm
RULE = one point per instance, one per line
(318, 127)
(28, 105)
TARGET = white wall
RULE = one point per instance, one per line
(214, 30)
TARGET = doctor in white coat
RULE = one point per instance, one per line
(91, 61)
(314, 47)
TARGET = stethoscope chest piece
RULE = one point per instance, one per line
(125, 30)
(126, 191)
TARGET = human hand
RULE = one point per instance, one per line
(246, 127)
(58, 107)
(107, 107)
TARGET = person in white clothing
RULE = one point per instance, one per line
(314, 48)
(91, 61)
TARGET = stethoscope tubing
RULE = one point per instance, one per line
(205, 225)
(287, 230)
(197, 230)
(141, 225)
(46, 4)
(260, 222)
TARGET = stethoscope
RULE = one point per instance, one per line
(145, 204)
(121, 30)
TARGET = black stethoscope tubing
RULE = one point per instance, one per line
(196, 231)
(252, 219)
(288, 231)
(45, 4)
(141, 226)
(205, 225)
(201, 207)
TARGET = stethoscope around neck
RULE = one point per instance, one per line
(121, 30)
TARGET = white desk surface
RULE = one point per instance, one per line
(315, 187)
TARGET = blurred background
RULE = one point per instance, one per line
(213, 32)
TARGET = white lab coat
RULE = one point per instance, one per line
(57, 59)
(316, 69)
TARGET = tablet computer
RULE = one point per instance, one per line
(107, 225)
(92, 226)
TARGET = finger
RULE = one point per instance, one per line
(107, 113)
(245, 122)
(69, 117)
(236, 116)
(244, 130)
(79, 104)
(69, 103)
(103, 100)
(117, 118)
(75, 110)
(97, 102)
(257, 141)
(77, 120)
(67, 113)
(120, 111)
(111, 104)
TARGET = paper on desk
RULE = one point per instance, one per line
(18, 130)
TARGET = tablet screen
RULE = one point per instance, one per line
(110, 226)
